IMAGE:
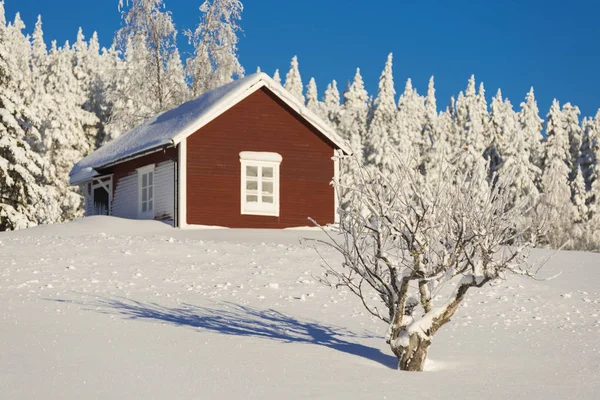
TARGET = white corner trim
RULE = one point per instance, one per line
(336, 180)
(182, 185)
(261, 156)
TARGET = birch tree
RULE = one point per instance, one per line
(215, 60)
(415, 239)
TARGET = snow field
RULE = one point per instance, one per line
(110, 308)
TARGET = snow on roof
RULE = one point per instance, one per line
(171, 127)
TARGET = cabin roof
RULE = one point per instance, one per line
(171, 127)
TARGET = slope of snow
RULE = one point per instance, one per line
(110, 308)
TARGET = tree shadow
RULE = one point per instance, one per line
(237, 320)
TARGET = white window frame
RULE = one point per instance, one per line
(260, 160)
(141, 172)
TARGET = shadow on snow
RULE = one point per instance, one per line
(238, 320)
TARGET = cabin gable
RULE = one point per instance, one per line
(259, 123)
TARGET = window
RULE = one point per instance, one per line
(260, 183)
(146, 192)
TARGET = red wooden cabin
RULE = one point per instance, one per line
(245, 155)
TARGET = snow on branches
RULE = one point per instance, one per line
(405, 240)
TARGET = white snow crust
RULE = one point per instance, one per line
(113, 308)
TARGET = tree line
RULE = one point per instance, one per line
(60, 103)
(550, 165)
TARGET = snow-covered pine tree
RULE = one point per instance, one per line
(556, 194)
(502, 124)
(276, 76)
(70, 134)
(293, 81)
(39, 54)
(331, 105)
(21, 192)
(581, 212)
(353, 118)
(378, 150)
(433, 138)
(408, 134)
(515, 168)
(103, 66)
(215, 60)
(590, 149)
(571, 121)
(590, 165)
(471, 118)
(312, 97)
(19, 47)
(352, 127)
(531, 125)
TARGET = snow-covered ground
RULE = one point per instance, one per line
(108, 308)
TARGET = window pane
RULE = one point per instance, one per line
(150, 192)
(252, 199)
(150, 177)
(267, 187)
(144, 194)
(144, 207)
(251, 185)
(267, 199)
(150, 205)
(144, 180)
(267, 172)
(251, 171)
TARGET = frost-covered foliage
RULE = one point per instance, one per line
(73, 98)
(378, 148)
(331, 105)
(312, 97)
(146, 81)
(215, 60)
(293, 81)
(414, 239)
(556, 203)
(21, 191)
(506, 143)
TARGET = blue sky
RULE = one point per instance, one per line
(509, 44)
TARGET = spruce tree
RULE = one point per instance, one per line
(354, 114)
(378, 150)
(293, 81)
(312, 97)
(331, 105)
(408, 134)
(556, 203)
(574, 134)
(276, 76)
(531, 124)
(20, 167)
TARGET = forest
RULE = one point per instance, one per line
(59, 102)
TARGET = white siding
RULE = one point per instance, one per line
(87, 201)
(125, 203)
(164, 195)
